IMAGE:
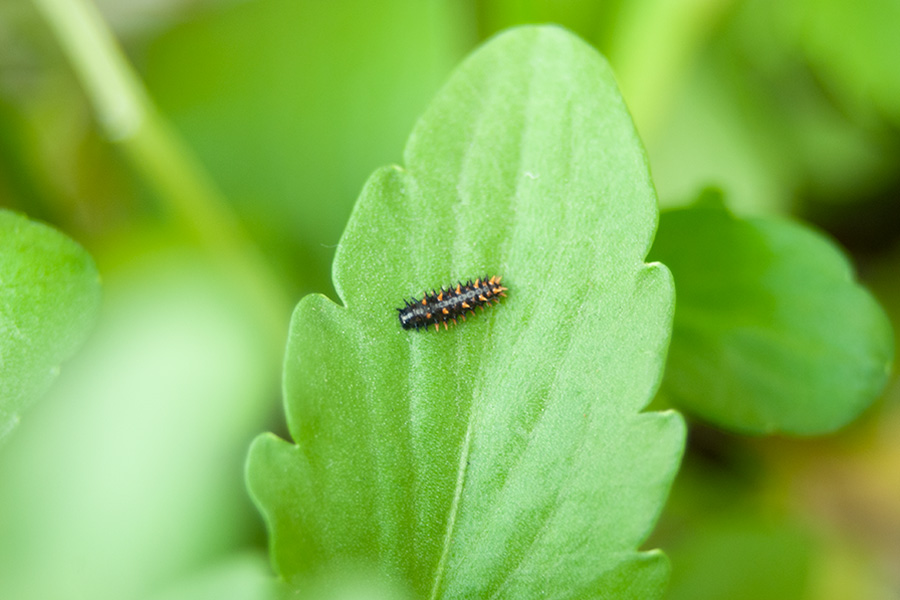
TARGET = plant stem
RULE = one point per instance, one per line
(653, 49)
(128, 117)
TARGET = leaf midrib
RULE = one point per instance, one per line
(461, 471)
(463, 464)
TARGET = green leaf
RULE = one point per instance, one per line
(507, 456)
(772, 333)
(49, 296)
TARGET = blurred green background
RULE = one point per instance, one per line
(128, 481)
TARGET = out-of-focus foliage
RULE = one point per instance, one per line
(472, 473)
(772, 334)
(785, 105)
(130, 473)
(724, 558)
(240, 577)
(724, 538)
(854, 49)
(788, 106)
(754, 115)
(49, 297)
(291, 104)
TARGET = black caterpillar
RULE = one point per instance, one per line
(447, 305)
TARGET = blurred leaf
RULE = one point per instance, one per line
(771, 333)
(129, 475)
(741, 558)
(292, 103)
(49, 296)
(507, 456)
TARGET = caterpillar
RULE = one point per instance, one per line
(446, 305)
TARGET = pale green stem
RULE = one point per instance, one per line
(653, 50)
(129, 118)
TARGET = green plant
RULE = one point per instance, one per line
(49, 296)
(528, 452)
(772, 335)
(467, 464)
(508, 457)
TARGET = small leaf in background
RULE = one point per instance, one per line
(49, 297)
(507, 456)
(772, 333)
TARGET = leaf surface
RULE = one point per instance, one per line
(772, 333)
(49, 296)
(507, 457)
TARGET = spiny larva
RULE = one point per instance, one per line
(446, 305)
